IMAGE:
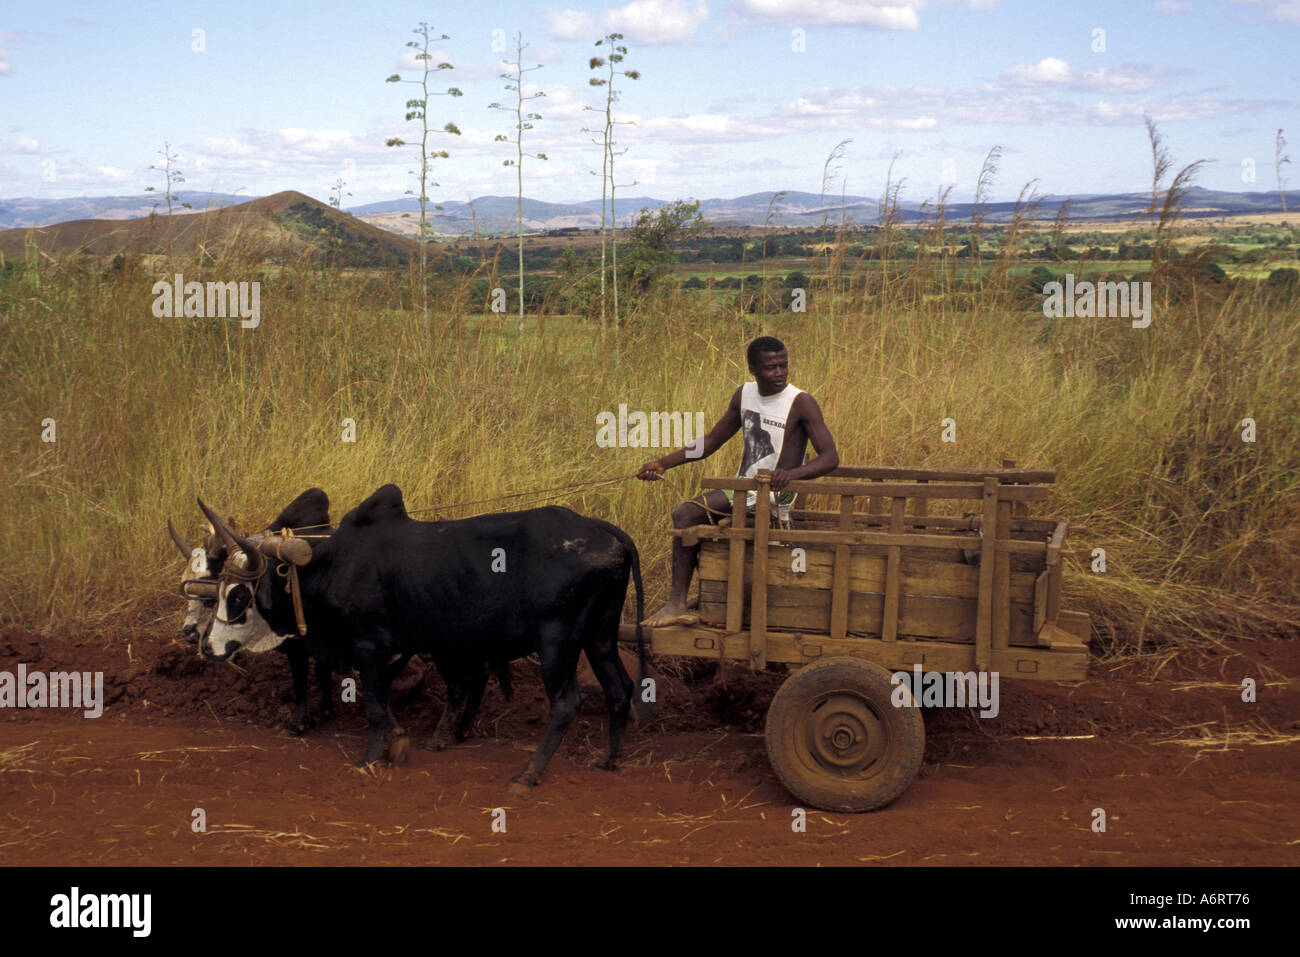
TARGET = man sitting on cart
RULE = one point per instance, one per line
(778, 421)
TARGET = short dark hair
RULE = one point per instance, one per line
(760, 345)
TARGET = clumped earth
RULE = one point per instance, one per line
(1184, 770)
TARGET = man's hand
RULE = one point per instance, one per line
(782, 477)
(650, 471)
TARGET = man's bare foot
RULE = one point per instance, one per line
(693, 603)
(673, 613)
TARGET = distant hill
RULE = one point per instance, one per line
(281, 227)
(377, 231)
(30, 211)
(492, 215)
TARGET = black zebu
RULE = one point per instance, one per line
(490, 588)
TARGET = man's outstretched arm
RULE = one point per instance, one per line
(805, 408)
(714, 439)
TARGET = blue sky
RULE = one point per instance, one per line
(292, 95)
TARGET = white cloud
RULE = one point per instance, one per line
(654, 22)
(1053, 72)
(7, 39)
(1287, 11)
(649, 22)
(1170, 8)
(874, 14)
(24, 144)
(569, 24)
(1047, 70)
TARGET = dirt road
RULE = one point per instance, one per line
(1185, 771)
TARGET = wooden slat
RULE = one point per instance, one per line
(1040, 601)
(1066, 661)
(758, 607)
(1055, 568)
(806, 536)
(943, 475)
(893, 579)
(984, 609)
(1002, 582)
(921, 574)
(919, 616)
(840, 584)
(1014, 493)
(736, 564)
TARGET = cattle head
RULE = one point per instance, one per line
(246, 591)
(199, 580)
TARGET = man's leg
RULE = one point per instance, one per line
(685, 558)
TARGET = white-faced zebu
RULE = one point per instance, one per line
(309, 513)
(490, 588)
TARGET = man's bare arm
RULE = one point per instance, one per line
(714, 439)
(806, 409)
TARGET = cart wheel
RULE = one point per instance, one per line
(836, 740)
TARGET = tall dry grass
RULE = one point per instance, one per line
(1201, 530)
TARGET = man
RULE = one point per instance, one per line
(778, 421)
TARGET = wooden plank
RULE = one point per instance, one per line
(921, 575)
(825, 519)
(984, 609)
(1014, 493)
(893, 578)
(1040, 601)
(758, 606)
(840, 583)
(1065, 662)
(1002, 582)
(736, 564)
(806, 536)
(1055, 567)
(919, 616)
(899, 473)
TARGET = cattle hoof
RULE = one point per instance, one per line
(607, 765)
(364, 766)
(434, 744)
(519, 787)
(399, 749)
(294, 730)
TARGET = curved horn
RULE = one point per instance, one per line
(186, 551)
(229, 536)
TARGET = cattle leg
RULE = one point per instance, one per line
(559, 656)
(602, 654)
(477, 686)
(456, 692)
(375, 682)
(298, 661)
(325, 682)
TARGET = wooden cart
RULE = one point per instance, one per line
(942, 568)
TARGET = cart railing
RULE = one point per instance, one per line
(998, 534)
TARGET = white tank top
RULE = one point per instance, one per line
(762, 423)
